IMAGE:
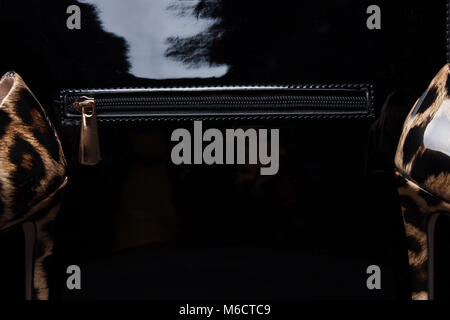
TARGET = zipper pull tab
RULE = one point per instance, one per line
(89, 153)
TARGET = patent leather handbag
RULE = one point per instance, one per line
(301, 81)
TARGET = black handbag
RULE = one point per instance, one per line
(150, 99)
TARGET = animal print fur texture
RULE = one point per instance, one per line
(429, 168)
(418, 206)
(32, 170)
(423, 163)
(43, 220)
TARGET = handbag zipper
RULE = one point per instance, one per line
(208, 102)
(89, 150)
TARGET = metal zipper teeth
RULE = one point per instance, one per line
(334, 103)
(232, 101)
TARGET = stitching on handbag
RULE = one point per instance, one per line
(267, 85)
(64, 121)
(74, 122)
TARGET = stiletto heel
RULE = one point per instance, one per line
(431, 253)
(29, 231)
(39, 246)
(423, 167)
(420, 212)
(44, 242)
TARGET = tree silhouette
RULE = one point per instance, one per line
(315, 41)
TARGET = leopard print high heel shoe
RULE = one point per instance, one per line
(423, 168)
(32, 177)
